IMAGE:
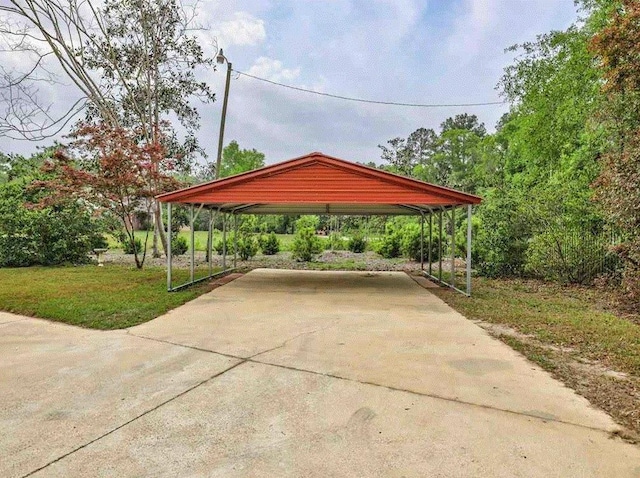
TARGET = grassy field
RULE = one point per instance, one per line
(573, 332)
(200, 239)
(111, 297)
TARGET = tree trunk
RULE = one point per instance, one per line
(159, 227)
(156, 233)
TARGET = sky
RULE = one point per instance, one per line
(416, 51)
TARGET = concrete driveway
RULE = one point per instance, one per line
(284, 373)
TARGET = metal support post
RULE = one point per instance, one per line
(430, 241)
(440, 247)
(193, 244)
(469, 229)
(224, 241)
(169, 235)
(421, 241)
(235, 240)
(210, 241)
(453, 247)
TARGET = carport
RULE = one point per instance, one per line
(320, 184)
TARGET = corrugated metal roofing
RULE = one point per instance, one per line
(320, 184)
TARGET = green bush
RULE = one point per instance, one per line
(270, 244)
(306, 244)
(335, 242)
(64, 233)
(218, 245)
(410, 243)
(128, 246)
(247, 246)
(357, 243)
(179, 245)
(390, 244)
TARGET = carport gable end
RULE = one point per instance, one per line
(320, 184)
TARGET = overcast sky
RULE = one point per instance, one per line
(425, 51)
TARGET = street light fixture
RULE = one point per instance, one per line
(220, 59)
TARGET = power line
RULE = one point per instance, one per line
(361, 100)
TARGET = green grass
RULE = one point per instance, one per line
(111, 297)
(200, 239)
(574, 317)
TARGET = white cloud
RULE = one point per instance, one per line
(273, 70)
(243, 29)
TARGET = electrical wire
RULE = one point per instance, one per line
(362, 100)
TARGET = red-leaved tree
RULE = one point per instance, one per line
(617, 47)
(114, 171)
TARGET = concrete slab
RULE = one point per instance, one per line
(6, 317)
(266, 421)
(325, 374)
(63, 386)
(381, 328)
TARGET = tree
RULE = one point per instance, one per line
(114, 172)
(62, 233)
(133, 63)
(448, 158)
(236, 160)
(617, 47)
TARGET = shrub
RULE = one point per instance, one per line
(128, 246)
(335, 242)
(572, 255)
(59, 234)
(306, 244)
(247, 247)
(218, 246)
(410, 243)
(270, 244)
(179, 245)
(357, 243)
(389, 245)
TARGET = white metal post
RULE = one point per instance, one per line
(169, 236)
(224, 241)
(440, 246)
(469, 231)
(193, 244)
(235, 240)
(453, 247)
(210, 241)
(430, 240)
(421, 241)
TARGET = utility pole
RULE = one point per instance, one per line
(220, 59)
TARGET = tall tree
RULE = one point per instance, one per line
(618, 186)
(133, 62)
(236, 160)
(109, 168)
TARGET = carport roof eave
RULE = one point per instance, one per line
(201, 193)
(360, 209)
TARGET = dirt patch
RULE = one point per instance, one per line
(615, 392)
(327, 260)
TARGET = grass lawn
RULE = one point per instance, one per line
(573, 332)
(111, 297)
(200, 239)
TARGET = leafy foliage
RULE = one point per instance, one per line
(236, 160)
(270, 245)
(306, 244)
(62, 233)
(618, 186)
(357, 243)
(179, 245)
(112, 171)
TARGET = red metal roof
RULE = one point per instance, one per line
(317, 183)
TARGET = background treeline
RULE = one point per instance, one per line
(559, 174)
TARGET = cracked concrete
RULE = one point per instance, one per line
(283, 373)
